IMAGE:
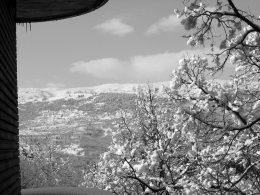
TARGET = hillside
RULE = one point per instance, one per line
(78, 120)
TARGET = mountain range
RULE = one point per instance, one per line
(77, 120)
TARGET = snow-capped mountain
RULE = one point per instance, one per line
(50, 94)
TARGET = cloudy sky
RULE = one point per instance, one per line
(125, 41)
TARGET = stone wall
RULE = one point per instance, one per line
(9, 138)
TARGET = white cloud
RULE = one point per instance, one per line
(157, 67)
(115, 26)
(55, 85)
(108, 68)
(166, 24)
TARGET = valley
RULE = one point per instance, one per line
(78, 121)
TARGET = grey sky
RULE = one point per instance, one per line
(124, 41)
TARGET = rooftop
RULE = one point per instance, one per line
(47, 10)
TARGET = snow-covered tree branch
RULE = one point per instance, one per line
(204, 137)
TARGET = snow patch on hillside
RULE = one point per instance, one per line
(74, 149)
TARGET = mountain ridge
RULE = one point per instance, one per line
(51, 94)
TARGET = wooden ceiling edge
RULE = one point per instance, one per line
(61, 16)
